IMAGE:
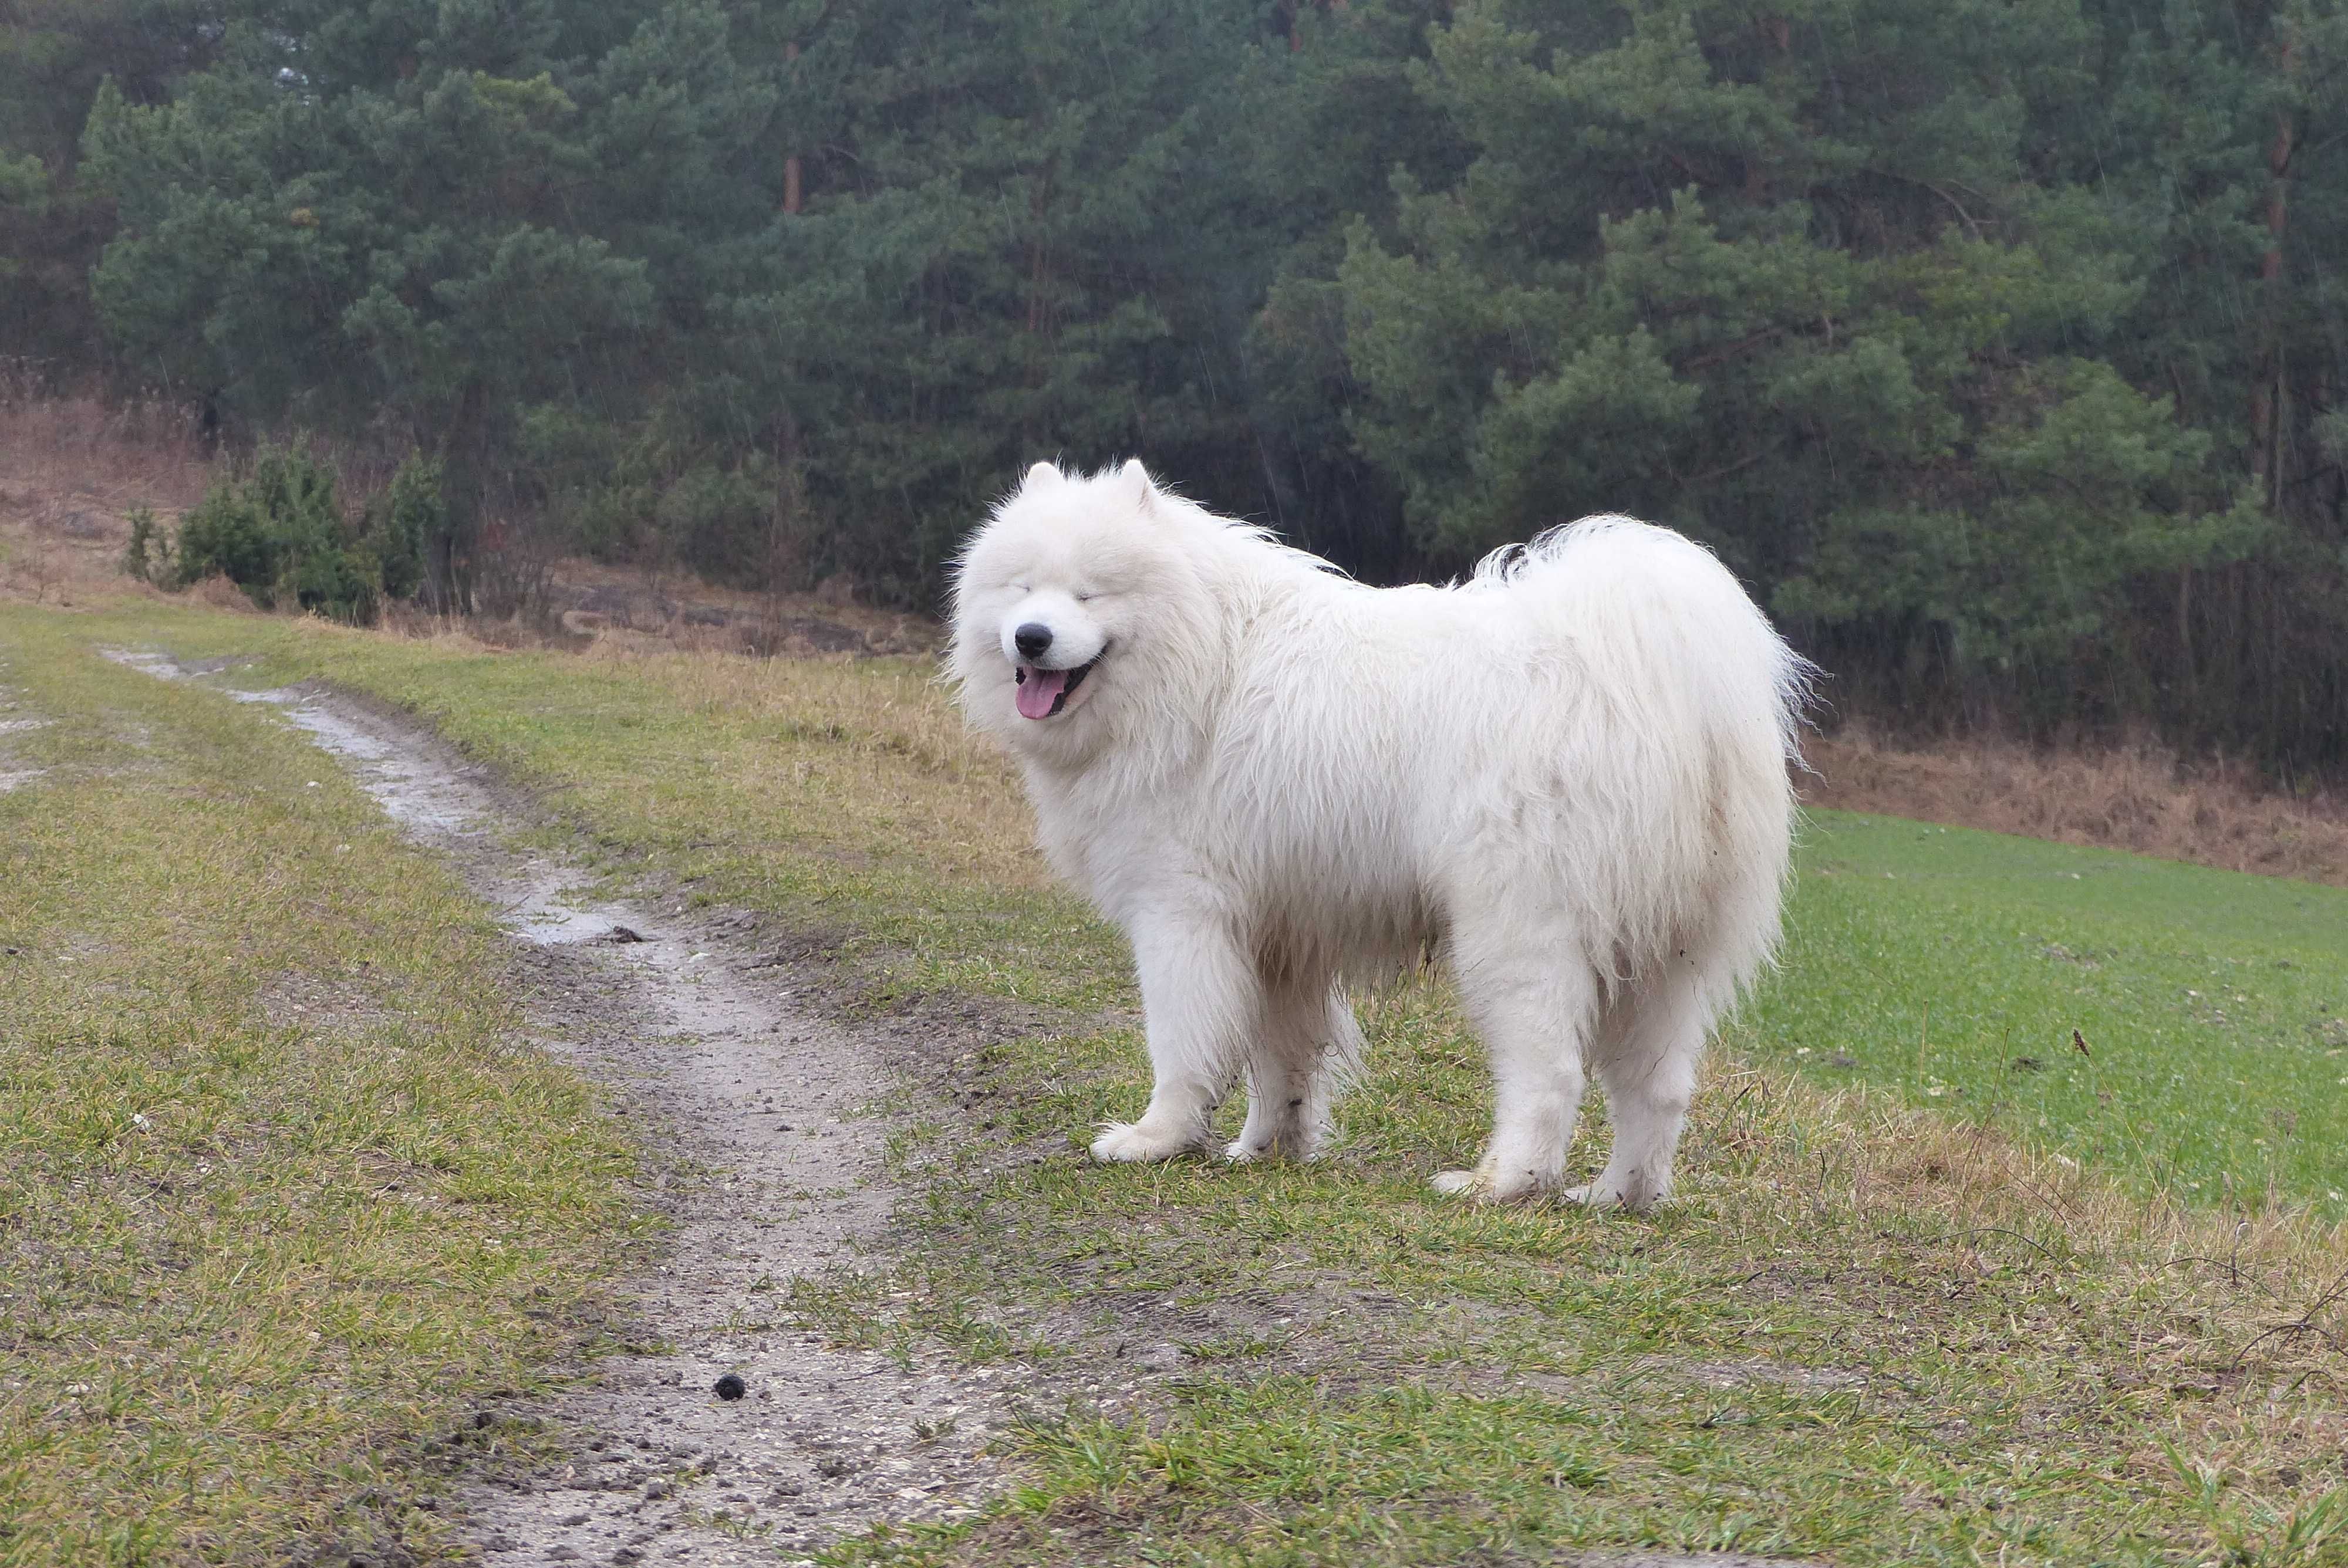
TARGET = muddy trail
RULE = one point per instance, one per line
(769, 1119)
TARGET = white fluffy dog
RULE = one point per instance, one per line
(1566, 776)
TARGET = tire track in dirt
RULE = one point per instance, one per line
(767, 1113)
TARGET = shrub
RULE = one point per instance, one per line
(409, 518)
(149, 557)
(279, 534)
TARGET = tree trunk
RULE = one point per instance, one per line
(1038, 253)
(2266, 391)
(790, 160)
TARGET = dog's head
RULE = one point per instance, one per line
(1074, 590)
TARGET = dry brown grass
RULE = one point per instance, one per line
(72, 469)
(2137, 797)
(2230, 1319)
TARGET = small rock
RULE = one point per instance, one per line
(568, 1520)
(730, 1386)
(656, 1490)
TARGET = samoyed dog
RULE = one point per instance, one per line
(1567, 777)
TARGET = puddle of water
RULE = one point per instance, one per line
(18, 778)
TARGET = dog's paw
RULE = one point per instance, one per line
(1127, 1143)
(1484, 1188)
(1602, 1194)
(1248, 1151)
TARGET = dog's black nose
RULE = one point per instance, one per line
(1031, 638)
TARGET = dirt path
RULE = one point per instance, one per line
(773, 1117)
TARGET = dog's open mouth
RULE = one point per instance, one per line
(1045, 693)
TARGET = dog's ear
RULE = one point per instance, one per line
(1041, 474)
(1134, 480)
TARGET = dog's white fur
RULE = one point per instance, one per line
(1566, 775)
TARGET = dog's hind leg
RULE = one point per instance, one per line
(1303, 1054)
(1201, 998)
(1534, 1002)
(1646, 1062)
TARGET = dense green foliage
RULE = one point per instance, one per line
(1998, 344)
(279, 532)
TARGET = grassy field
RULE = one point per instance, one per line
(283, 1199)
(1941, 1287)
(1955, 966)
(1948, 965)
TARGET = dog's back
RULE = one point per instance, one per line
(1602, 719)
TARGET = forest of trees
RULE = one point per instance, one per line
(1997, 343)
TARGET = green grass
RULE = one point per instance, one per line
(1994, 1324)
(1954, 967)
(1856, 1333)
(282, 1196)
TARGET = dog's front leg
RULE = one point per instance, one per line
(1199, 995)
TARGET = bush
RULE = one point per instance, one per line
(409, 518)
(279, 535)
(149, 555)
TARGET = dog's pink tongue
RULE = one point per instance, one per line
(1040, 690)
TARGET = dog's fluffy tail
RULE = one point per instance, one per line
(1625, 581)
(1705, 700)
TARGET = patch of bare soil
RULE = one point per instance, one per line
(649, 614)
(16, 719)
(71, 469)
